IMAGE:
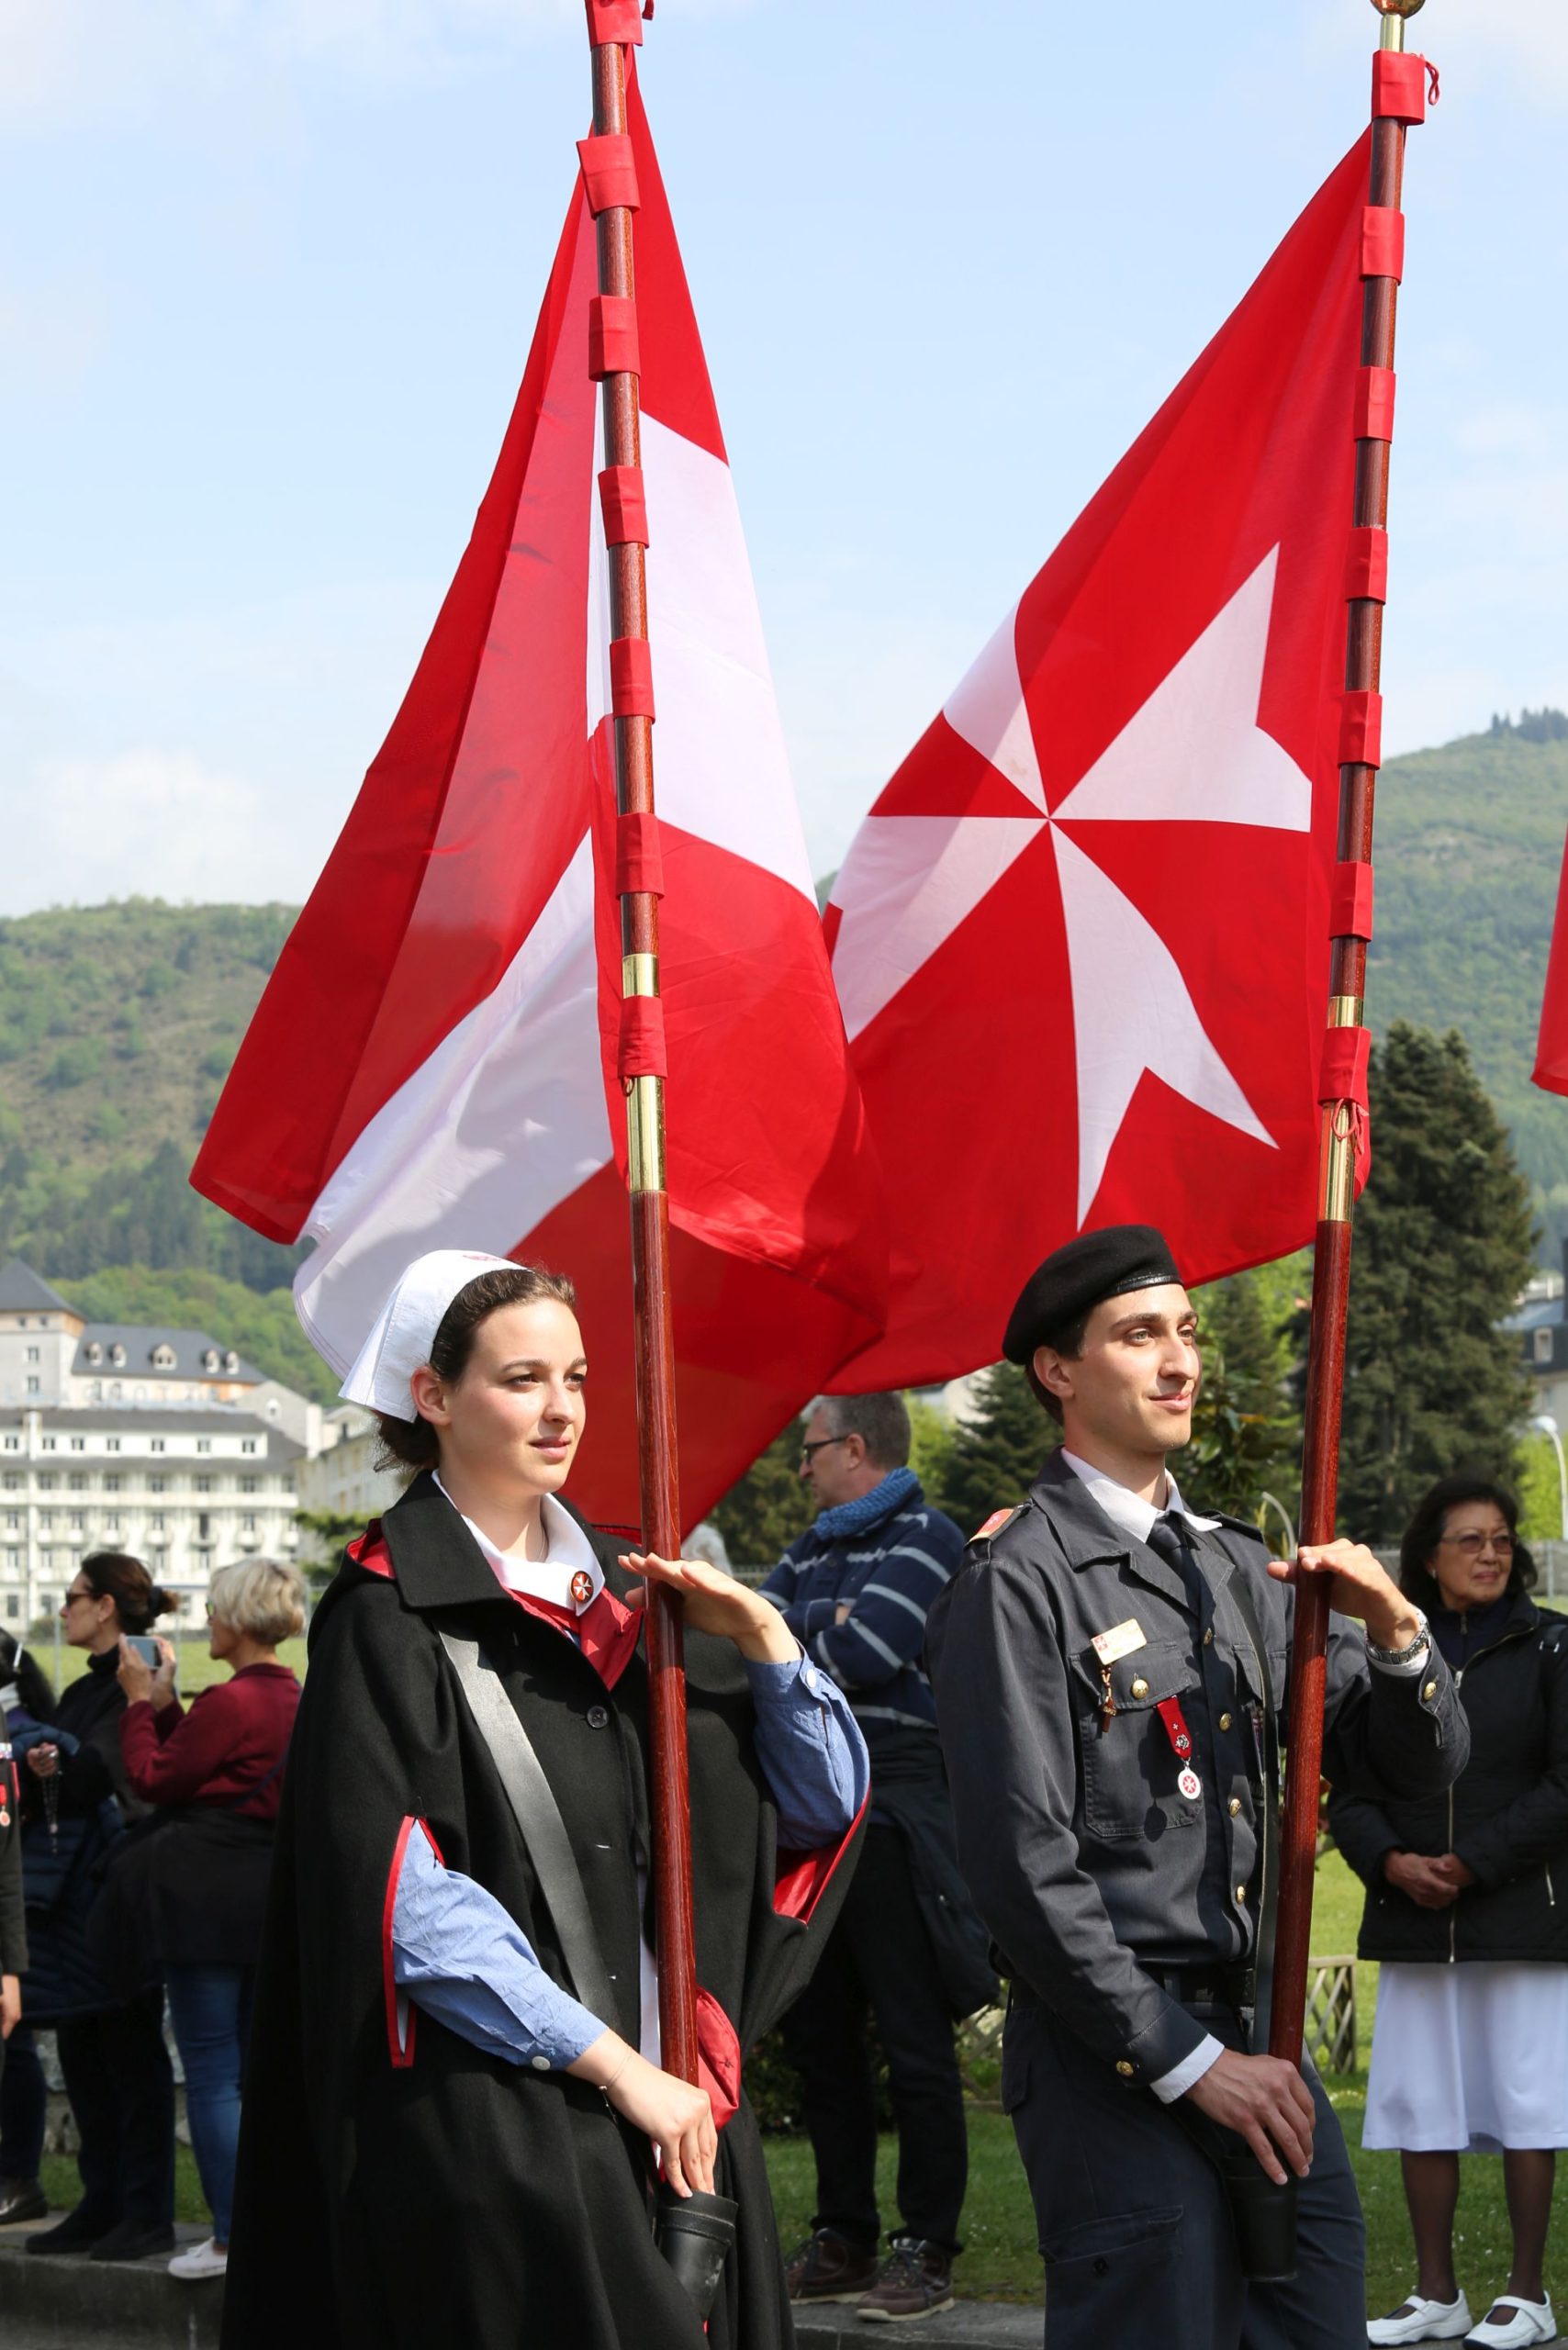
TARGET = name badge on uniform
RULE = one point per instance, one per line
(1119, 1641)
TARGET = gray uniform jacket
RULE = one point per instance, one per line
(1088, 1864)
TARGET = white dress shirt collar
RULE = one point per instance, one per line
(1127, 1511)
(569, 1553)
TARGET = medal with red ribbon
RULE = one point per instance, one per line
(1181, 1737)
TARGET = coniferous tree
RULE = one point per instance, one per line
(1442, 1249)
(770, 1508)
(1247, 1428)
(998, 1448)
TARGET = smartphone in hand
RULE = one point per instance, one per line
(146, 1648)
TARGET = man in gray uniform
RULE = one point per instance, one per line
(1101, 1702)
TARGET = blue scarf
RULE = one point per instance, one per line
(854, 1517)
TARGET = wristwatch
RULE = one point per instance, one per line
(1412, 1647)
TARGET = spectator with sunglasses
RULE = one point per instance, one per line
(1467, 1910)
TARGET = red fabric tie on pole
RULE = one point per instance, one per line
(639, 857)
(642, 1051)
(1382, 242)
(617, 21)
(630, 677)
(624, 501)
(1342, 1071)
(610, 172)
(1360, 730)
(1399, 86)
(613, 337)
(1351, 913)
(1366, 565)
(1374, 404)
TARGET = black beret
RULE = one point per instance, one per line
(1076, 1277)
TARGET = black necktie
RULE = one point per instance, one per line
(1170, 1540)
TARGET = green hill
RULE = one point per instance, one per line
(118, 1023)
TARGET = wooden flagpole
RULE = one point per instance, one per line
(608, 27)
(1342, 1118)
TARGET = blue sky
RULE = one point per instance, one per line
(273, 270)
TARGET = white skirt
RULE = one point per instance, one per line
(1472, 2057)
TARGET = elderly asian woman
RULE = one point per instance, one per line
(216, 1773)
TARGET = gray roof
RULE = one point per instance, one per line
(115, 1419)
(1540, 1313)
(23, 1292)
(141, 1342)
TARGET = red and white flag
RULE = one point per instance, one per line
(433, 1062)
(1550, 1072)
(1080, 941)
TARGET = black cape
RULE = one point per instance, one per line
(457, 2197)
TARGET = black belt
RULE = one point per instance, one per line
(1208, 1987)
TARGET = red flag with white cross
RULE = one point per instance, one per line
(1080, 941)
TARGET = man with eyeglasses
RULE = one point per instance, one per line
(854, 1589)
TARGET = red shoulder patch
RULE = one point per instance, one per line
(997, 1519)
(369, 1550)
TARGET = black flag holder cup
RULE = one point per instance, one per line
(694, 2233)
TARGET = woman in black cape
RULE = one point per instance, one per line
(438, 2140)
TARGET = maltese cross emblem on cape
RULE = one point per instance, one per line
(1080, 941)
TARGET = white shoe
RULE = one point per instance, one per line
(206, 2260)
(1421, 2320)
(1510, 2323)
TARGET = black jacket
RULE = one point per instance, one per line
(1090, 1866)
(1506, 1818)
(13, 1931)
(391, 2199)
(63, 1876)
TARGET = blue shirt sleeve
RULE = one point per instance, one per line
(812, 1752)
(463, 1959)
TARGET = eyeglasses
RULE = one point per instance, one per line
(73, 1596)
(821, 1444)
(1473, 1545)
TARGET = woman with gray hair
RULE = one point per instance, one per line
(215, 1773)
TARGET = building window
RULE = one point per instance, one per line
(204, 1443)
(157, 1484)
(13, 1444)
(46, 1482)
(248, 1522)
(250, 1484)
(77, 1481)
(203, 1484)
(32, 1354)
(14, 1519)
(113, 1444)
(47, 1444)
(94, 1351)
(78, 1444)
(160, 1560)
(35, 1387)
(248, 1444)
(158, 1445)
(117, 1356)
(1543, 1345)
(159, 1522)
(111, 1484)
(203, 1527)
(12, 1480)
(78, 1522)
(13, 1604)
(163, 1357)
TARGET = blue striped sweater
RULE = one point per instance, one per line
(888, 1574)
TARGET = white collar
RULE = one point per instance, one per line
(568, 1554)
(1127, 1511)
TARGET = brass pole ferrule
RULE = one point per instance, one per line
(639, 975)
(645, 1134)
(1337, 1184)
(1345, 1010)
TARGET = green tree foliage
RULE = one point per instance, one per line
(1442, 1249)
(264, 1329)
(1540, 1489)
(327, 1531)
(930, 1447)
(1247, 1427)
(770, 1508)
(69, 1222)
(998, 1448)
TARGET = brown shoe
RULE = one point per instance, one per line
(828, 2268)
(916, 2280)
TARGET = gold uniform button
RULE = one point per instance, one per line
(1225, 1721)
(1235, 1806)
(1429, 1692)
(1126, 2070)
(1140, 1687)
(1208, 1635)
(1241, 1893)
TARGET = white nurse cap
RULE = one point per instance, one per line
(404, 1331)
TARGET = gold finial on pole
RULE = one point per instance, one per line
(1394, 13)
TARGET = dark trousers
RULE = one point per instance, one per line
(24, 2106)
(121, 2088)
(1132, 2217)
(879, 1956)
